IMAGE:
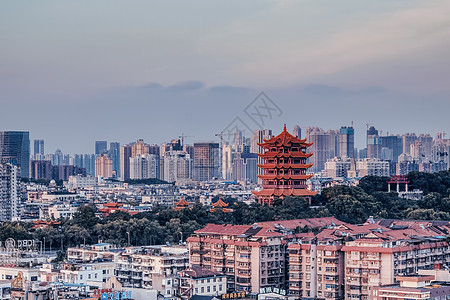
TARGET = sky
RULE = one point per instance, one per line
(76, 71)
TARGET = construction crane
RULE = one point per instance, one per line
(182, 136)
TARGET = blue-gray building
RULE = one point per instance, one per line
(15, 149)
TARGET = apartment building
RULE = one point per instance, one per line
(152, 267)
(100, 251)
(416, 287)
(252, 257)
(203, 282)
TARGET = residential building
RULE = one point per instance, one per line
(252, 257)
(139, 148)
(144, 166)
(125, 155)
(324, 145)
(9, 192)
(177, 166)
(414, 287)
(372, 167)
(203, 282)
(338, 167)
(152, 267)
(103, 166)
(40, 169)
(258, 137)
(206, 161)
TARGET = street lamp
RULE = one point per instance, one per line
(128, 233)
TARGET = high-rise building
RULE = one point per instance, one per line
(284, 168)
(144, 166)
(101, 147)
(394, 143)
(323, 146)
(206, 161)
(244, 167)
(40, 169)
(139, 148)
(373, 143)
(227, 161)
(103, 166)
(15, 149)
(9, 192)
(89, 164)
(297, 131)
(347, 142)
(38, 149)
(125, 154)
(258, 137)
(114, 154)
(407, 140)
(177, 166)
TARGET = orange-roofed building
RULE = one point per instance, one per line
(220, 206)
(182, 204)
(284, 168)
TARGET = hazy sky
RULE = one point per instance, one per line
(76, 71)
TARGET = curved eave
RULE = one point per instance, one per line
(294, 177)
(284, 192)
(289, 154)
(285, 166)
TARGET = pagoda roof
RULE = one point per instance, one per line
(269, 154)
(219, 203)
(112, 205)
(285, 166)
(284, 139)
(220, 209)
(284, 192)
(285, 176)
(182, 202)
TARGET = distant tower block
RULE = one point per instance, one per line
(284, 168)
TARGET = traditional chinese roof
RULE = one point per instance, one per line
(270, 154)
(219, 203)
(284, 139)
(285, 176)
(112, 205)
(182, 202)
(285, 166)
(284, 192)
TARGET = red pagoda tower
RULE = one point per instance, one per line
(284, 168)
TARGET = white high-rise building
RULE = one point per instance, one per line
(144, 166)
(372, 167)
(337, 167)
(9, 192)
(258, 137)
(177, 166)
(227, 161)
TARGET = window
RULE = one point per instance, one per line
(208, 289)
(220, 287)
(81, 277)
(214, 288)
(196, 290)
(89, 276)
(203, 289)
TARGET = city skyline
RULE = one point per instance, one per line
(152, 77)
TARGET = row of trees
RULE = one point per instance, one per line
(165, 225)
